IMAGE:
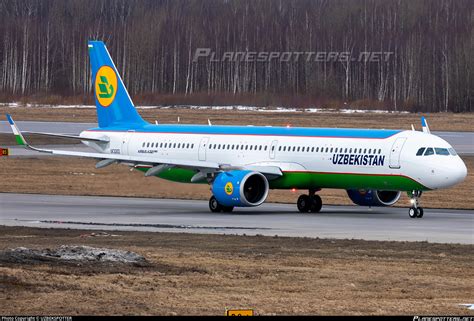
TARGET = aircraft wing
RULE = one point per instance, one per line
(203, 167)
(96, 140)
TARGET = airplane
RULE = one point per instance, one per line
(242, 163)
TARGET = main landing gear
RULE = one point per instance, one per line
(415, 211)
(309, 203)
(217, 207)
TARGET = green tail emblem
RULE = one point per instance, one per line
(106, 90)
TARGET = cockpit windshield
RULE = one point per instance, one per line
(420, 151)
(441, 151)
(427, 151)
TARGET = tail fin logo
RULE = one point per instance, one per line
(105, 86)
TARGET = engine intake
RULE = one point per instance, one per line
(240, 188)
(373, 197)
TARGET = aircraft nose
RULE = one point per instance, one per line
(461, 171)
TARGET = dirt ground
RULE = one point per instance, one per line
(204, 274)
(438, 121)
(74, 176)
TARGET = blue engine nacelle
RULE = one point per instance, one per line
(240, 188)
(373, 197)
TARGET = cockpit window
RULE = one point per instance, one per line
(420, 151)
(441, 151)
(429, 151)
(452, 151)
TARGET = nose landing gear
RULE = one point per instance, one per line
(415, 211)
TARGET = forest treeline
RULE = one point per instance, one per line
(430, 67)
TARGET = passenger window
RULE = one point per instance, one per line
(369, 150)
(331, 150)
(441, 151)
(420, 151)
(380, 151)
(265, 147)
(365, 150)
(429, 151)
(279, 148)
(312, 149)
(260, 147)
(317, 149)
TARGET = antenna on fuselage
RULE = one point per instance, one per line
(178, 119)
(412, 127)
(209, 122)
(156, 122)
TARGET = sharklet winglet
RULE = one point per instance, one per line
(18, 136)
(424, 125)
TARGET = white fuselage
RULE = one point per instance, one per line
(395, 155)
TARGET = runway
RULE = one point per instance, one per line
(165, 215)
(463, 142)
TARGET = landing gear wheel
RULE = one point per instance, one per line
(303, 203)
(420, 212)
(316, 204)
(214, 205)
(413, 212)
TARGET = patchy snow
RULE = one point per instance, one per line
(230, 107)
(68, 253)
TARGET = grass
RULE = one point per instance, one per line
(438, 121)
(75, 176)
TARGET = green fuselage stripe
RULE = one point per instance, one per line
(314, 180)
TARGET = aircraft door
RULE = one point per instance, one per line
(125, 142)
(273, 148)
(395, 152)
(203, 148)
